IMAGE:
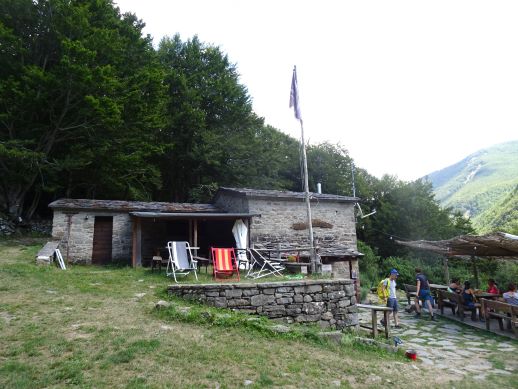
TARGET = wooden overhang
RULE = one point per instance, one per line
(192, 217)
(495, 245)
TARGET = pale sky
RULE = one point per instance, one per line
(408, 87)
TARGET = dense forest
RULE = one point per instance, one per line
(90, 109)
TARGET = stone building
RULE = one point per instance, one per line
(283, 223)
(102, 231)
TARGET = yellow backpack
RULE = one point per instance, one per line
(383, 294)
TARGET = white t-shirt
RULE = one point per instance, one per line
(392, 288)
(511, 298)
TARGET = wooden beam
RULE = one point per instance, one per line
(195, 236)
(136, 258)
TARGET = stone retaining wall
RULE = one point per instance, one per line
(330, 303)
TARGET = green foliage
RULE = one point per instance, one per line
(501, 216)
(80, 102)
(480, 185)
(505, 274)
(407, 211)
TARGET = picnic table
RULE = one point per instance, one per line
(438, 287)
(486, 295)
(374, 310)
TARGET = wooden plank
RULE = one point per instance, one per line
(48, 250)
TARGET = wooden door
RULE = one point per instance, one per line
(102, 244)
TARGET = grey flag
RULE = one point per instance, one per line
(294, 95)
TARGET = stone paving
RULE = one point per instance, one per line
(454, 349)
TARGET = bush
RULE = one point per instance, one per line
(506, 273)
(369, 266)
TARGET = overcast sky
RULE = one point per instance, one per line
(408, 87)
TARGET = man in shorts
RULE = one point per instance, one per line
(423, 294)
(390, 285)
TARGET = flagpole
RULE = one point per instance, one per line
(308, 204)
(294, 102)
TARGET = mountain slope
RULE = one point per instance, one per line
(482, 186)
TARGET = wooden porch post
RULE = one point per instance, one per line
(136, 259)
(196, 236)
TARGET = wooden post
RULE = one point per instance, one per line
(190, 232)
(374, 323)
(196, 236)
(446, 270)
(136, 259)
(475, 271)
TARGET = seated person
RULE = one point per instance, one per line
(455, 286)
(469, 295)
(511, 296)
(470, 299)
(492, 287)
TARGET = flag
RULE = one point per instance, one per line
(294, 95)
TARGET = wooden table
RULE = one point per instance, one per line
(438, 287)
(374, 310)
(486, 295)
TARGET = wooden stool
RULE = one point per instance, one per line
(157, 259)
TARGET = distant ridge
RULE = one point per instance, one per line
(482, 186)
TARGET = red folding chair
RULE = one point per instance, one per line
(224, 263)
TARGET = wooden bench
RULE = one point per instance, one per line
(458, 300)
(374, 310)
(500, 311)
(411, 292)
(444, 300)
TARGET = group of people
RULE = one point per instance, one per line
(469, 295)
(423, 294)
(387, 292)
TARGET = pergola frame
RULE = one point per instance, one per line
(498, 245)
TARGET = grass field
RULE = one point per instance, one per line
(96, 327)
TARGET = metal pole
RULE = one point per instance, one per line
(308, 205)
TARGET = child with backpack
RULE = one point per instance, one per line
(387, 295)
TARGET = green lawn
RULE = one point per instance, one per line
(92, 327)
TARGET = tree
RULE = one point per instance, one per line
(80, 101)
(212, 137)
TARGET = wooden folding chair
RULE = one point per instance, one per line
(224, 263)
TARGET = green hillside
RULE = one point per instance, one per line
(482, 186)
(501, 216)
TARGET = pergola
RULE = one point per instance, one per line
(498, 245)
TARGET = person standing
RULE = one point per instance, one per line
(389, 289)
(423, 294)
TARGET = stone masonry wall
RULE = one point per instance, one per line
(330, 303)
(278, 216)
(82, 232)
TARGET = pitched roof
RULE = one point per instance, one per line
(284, 194)
(130, 206)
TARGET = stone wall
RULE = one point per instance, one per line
(278, 217)
(82, 233)
(330, 303)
